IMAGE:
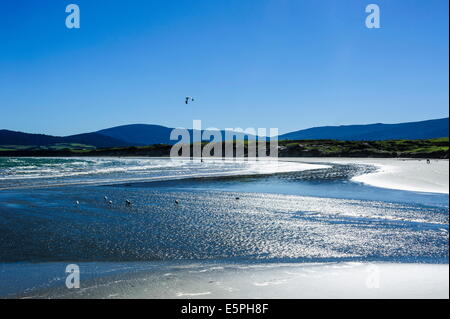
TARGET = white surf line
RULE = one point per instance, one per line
(128, 180)
(155, 178)
(181, 294)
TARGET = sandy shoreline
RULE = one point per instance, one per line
(402, 174)
(220, 280)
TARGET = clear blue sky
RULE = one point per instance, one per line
(290, 64)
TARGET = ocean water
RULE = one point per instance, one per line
(227, 210)
(199, 215)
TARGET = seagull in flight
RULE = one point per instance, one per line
(188, 98)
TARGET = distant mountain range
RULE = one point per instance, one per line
(373, 132)
(144, 134)
(139, 134)
(93, 139)
(147, 134)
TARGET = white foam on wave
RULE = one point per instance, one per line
(110, 170)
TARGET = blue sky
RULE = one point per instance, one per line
(290, 64)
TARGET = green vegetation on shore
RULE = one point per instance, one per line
(431, 148)
(54, 147)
